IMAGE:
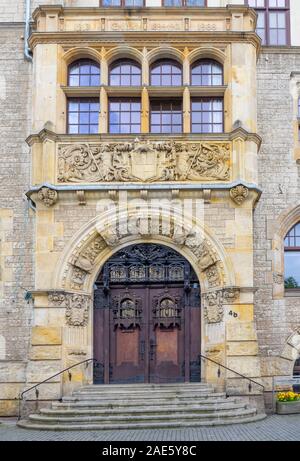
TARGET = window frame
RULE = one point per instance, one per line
(166, 61)
(119, 100)
(122, 5)
(80, 62)
(290, 249)
(162, 101)
(184, 4)
(267, 9)
(79, 99)
(197, 62)
(208, 98)
(125, 61)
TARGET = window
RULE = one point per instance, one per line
(125, 73)
(183, 3)
(207, 72)
(83, 115)
(84, 72)
(166, 116)
(272, 21)
(123, 3)
(124, 115)
(207, 115)
(166, 73)
(292, 258)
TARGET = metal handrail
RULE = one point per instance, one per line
(48, 379)
(236, 372)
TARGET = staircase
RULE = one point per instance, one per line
(140, 406)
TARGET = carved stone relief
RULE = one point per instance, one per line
(214, 302)
(77, 307)
(239, 194)
(143, 161)
(47, 196)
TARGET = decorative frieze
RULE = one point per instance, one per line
(143, 161)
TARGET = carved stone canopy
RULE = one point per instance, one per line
(143, 161)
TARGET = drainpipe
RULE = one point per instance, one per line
(27, 54)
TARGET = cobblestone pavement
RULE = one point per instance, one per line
(272, 428)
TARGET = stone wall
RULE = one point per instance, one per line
(16, 230)
(279, 178)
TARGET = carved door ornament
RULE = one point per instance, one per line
(167, 310)
(127, 310)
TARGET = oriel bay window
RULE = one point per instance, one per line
(166, 116)
(166, 72)
(292, 258)
(125, 72)
(84, 72)
(83, 115)
(207, 115)
(124, 115)
(273, 21)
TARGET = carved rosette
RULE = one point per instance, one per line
(239, 194)
(47, 196)
(165, 160)
(77, 307)
(214, 302)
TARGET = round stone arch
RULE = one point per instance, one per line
(278, 230)
(73, 55)
(109, 232)
(291, 350)
(106, 234)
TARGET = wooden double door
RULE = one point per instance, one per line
(146, 332)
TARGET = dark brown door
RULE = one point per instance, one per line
(146, 332)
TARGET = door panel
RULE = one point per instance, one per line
(146, 324)
(166, 332)
(127, 331)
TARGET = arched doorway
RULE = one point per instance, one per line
(147, 318)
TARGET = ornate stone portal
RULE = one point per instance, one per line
(143, 161)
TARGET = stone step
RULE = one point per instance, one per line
(139, 386)
(225, 406)
(142, 406)
(138, 403)
(26, 424)
(143, 417)
(140, 397)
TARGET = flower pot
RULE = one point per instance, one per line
(288, 408)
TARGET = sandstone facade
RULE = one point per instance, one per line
(224, 201)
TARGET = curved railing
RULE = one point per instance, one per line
(87, 361)
(251, 381)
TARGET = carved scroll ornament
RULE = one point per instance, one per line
(143, 161)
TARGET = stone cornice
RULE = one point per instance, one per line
(182, 38)
(144, 186)
(46, 134)
(151, 11)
